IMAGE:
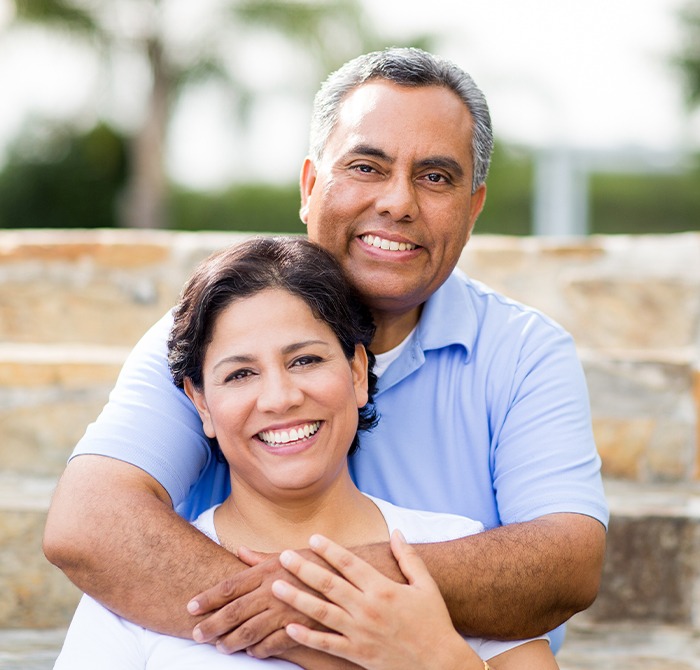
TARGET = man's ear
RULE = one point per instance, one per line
(359, 366)
(306, 185)
(200, 403)
(477, 204)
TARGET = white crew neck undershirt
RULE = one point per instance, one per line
(388, 357)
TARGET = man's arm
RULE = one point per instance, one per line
(112, 530)
(553, 564)
(513, 582)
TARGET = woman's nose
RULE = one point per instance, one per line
(279, 393)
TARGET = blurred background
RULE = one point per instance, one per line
(194, 115)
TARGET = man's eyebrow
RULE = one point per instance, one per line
(443, 162)
(369, 150)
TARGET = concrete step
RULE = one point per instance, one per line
(628, 646)
(652, 566)
(588, 646)
(35, 594)
(48, 396)
(651, 574)
(30, 649)
(645, 406)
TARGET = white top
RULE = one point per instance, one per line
(97, 638)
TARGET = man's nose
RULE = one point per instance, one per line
(279, 393)
(397, 199)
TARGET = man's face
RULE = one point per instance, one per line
(391, 197)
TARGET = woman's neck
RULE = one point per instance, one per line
(341, 512)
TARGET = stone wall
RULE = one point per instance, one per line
(73, 303)
(631, 303)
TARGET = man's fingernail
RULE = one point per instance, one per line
(197, 635)
(192, 606)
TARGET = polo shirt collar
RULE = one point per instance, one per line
(448, 318)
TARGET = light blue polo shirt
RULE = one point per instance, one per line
(485, 414)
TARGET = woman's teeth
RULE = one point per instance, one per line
(275, 437)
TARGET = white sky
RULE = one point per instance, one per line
(593, 74)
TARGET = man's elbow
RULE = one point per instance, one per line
(588, 571)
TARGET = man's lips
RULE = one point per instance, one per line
(385, 244)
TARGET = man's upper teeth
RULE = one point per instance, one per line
(381, 243)
(273, 437)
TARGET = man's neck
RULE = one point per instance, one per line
(392, 329)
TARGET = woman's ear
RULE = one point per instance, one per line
(200, 403)
(359, 366)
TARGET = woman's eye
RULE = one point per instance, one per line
(303, 361)
(238, 375)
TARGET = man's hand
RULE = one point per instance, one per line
(243, 612)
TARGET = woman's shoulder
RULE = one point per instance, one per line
(419, 526)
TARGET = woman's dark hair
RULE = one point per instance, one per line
(293, 264)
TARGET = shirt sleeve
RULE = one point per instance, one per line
(544, 458)
(149, 422)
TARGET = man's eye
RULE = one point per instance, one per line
(436, 178)
(365, 169)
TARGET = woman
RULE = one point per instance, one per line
(269, 342)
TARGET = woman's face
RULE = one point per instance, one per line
(279, 395)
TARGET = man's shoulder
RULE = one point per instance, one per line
(464, 310)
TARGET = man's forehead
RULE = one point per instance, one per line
(379, 114)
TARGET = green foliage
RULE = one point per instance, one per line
(637, 204)
(248, 208)
(72, 181)
(508, 209)
(689, 52)
(61, 14)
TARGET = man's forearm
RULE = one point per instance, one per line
(513, 582)
(112, 530)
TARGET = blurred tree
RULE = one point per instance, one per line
(328, 32)
(65, 180)
(689, 53)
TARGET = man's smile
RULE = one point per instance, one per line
(388, 245)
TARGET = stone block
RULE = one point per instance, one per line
(652, 565)
(35, 593)
(645, 413)
(48, 396)
(99, 287)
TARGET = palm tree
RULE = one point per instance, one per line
(328, 31)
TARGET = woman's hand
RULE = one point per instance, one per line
(378, 624)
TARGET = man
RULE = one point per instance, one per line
(483, 402)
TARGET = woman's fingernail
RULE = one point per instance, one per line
(280, 587)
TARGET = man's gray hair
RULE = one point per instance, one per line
(405, 67)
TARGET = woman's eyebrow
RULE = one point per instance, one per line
(249, 358)
(291, 348)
